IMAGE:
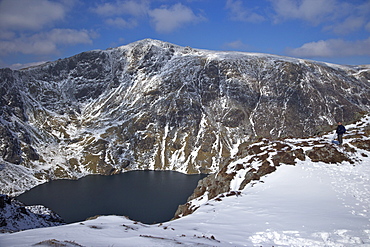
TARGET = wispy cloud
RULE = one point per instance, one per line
(121, 23)
(238, 12)
(130, 7)
(46, 42)
(349, 18)
(339, 17)
(336, 16)
(26, 65)
(27, 27)
(313, 11)
(349, 25)
(127, 13)
(29, 15)
(122, 14)
(236, 45)
(167, 19)
(332, 48)
(367, 27)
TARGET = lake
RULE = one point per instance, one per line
(145, 196)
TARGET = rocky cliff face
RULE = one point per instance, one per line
(256, 160)
(155, 105)
(15, 216)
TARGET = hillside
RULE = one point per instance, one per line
(318, 198)
(15, 216)
(154, 105)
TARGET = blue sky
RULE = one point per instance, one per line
(336, 31)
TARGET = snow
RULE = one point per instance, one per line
(15, 216)
(292, 207)
(309, 204)
(93, 120)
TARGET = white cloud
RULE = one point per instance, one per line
(46, 42)
(26, 65)
(340, 17)
(27, 46)
(29, 15)
(314, 11)
(131, 10)
(332, 48)
(134, 8)
(349, 25)
(237, 45)
(26, 27)
(350, 18)
(121, 23)
(70, 36)
(239, 13)
(126, 14)
(167, 19)
(367, 27)
(4, 34)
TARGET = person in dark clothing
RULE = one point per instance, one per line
(340, 131)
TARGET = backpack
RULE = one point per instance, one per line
(341, 130)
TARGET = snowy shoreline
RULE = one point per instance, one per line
(306, 204)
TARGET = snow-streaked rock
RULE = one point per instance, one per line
(15, 216)
(255, 161)
(155, 105)
(308, 203)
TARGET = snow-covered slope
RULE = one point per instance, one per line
(15, 216)
(321, 200)
(155, 105)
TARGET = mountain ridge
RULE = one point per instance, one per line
(164, 44)
(314, 198)
(155, 105)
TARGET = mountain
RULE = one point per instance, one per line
(15, 216)
(256, 160)
(319, 198)
(155, 105)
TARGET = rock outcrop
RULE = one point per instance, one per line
(255, 160)
(155, 105)
(15, 216)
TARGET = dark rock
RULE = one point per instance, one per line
(155, 105)
(327, 154)
(284, 157)
(363, 144)
(15, 216)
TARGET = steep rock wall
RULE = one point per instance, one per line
(155, 105)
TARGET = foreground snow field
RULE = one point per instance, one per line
(310, 204)
(306, 204)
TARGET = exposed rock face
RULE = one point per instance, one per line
(327, 153)
(154, 105)
(15, 216)
(253, 161)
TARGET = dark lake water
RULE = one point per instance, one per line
(145, 196)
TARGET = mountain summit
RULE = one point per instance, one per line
(155, 105)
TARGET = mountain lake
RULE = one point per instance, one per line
(145, 196)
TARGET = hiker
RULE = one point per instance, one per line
(340, 131)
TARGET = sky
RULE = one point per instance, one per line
(335, 31)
